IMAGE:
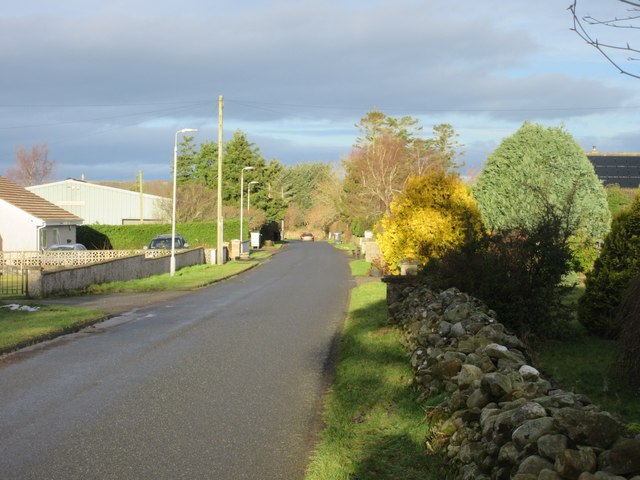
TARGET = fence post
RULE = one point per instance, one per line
(34, 282)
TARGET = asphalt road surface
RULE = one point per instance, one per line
(224, 383)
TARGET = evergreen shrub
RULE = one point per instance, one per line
(627, 361)
(618, 263)
(537, 170)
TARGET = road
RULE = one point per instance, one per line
(223, 383)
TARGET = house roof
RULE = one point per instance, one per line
(33, 204)
(622, 168)
(97, 186)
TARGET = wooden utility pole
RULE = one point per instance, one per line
(141, 198)
(220, 237)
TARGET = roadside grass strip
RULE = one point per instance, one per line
(373, 426)
(187, 278)
(359, 268)
(20, 328)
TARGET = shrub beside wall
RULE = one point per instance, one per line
(618, 263)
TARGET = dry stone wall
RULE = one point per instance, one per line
(502, 419)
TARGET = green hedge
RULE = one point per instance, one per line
(124, 237)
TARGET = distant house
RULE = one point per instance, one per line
(100, 204)
(622, 168)
(29, 222)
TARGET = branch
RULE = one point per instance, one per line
(604, 48)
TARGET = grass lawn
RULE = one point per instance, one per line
(581, 364)
(374, 428)
(20, 328)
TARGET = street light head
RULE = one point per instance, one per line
(185, 130)
(249, 168)
(253, 182)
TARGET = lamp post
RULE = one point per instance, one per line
(172, 262)
(242, 200)
(253, 182)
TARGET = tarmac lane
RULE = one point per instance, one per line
(222, 383)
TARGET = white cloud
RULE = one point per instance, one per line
(296, 76)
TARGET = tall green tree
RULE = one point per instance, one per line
(197, 166)
(302, 180)
(239, 153)
(538, 172)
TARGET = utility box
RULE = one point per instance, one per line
(255, 239)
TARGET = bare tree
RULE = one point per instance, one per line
(194, 202)
(32, 167)
(613, 50)
(375, 173)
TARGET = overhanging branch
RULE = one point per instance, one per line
(607, 48)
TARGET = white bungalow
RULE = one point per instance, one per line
(28, 222)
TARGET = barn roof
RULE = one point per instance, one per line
(33, 204)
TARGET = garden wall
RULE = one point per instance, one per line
(43, 283)
(502, 419)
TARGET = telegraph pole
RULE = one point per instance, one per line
(220, 239)
(141, 199)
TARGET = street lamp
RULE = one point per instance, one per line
(172, 262)
(253, 182)
(242, 200)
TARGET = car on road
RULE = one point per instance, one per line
(68, 246)
(307, 237)
(163, 242)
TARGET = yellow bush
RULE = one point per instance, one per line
(433, 215)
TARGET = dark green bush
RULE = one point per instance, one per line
(357, 228)
(517, 273)
(125, 237)
(627, 361)
(618, 263)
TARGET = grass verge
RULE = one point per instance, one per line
(374, 428)
(187, 278)
(359, 268)
(19, 328)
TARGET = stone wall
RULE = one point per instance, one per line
(501, 419)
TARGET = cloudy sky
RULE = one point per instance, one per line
(107, 84)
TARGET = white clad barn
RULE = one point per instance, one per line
(100, 204)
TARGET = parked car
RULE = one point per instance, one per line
(68, 246)
(307, 237)
(163, 242)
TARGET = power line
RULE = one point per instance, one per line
(264, 105)
(108, 117)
